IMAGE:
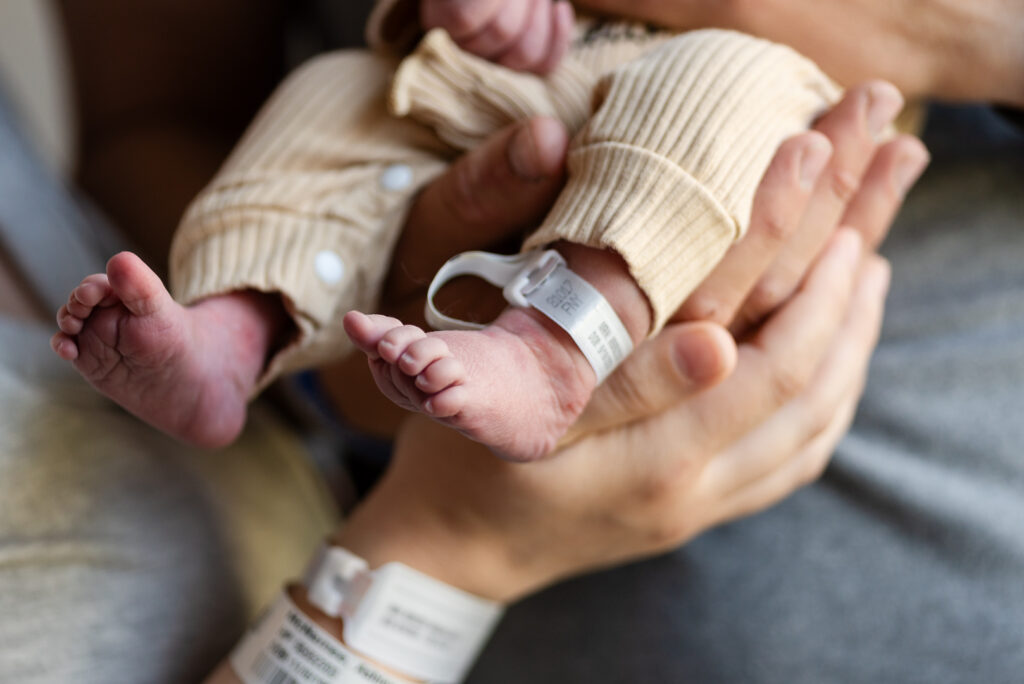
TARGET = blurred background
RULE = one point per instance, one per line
(138, 103)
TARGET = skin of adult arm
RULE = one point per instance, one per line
(947, 49)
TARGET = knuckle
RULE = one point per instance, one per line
(766, 295)
(629, 395)
(818, 417)
(704, 307)
(843, 185)
(788, 379)
(668, 532)
(775, 226)
(663, 486)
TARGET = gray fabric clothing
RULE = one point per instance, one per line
(125, 558)
(906, 562)
(55, 238)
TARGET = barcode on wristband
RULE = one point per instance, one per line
(286, 647)
(268, 671)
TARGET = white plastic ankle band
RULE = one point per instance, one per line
(287, 647)
(398, 616)
(542, 280)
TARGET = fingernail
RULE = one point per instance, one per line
(884, 103)
(910, 168)
(812, 162)
(537, 150)
(522, 153)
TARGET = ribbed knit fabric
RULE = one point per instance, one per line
(465, 99)
(665, 171)
(305, 185)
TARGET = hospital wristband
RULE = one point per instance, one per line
(286, 646)
(542, 280)
(413, 623)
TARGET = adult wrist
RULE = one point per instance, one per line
(394, 524)
(348, 623)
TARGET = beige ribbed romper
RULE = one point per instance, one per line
(673, 133)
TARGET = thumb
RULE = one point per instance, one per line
(682, 360)
(492, 193)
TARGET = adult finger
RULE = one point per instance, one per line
(894, 170)
(853, 127)
(493, 192)
(801, 469)
(777, 363)
(682, 360)
(838, 381)
(777, 211)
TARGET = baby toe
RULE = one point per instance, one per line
(441, 374)
(64, 346)
(448, 403)
(366, 331)
(422, 353)
(396, 341)
(68, 323)
(92, 290)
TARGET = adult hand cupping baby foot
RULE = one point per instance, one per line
(691, 431)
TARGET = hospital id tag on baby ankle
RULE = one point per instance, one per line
(541, 279)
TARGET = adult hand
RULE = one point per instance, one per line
(690, 432)
(836, 175)
(937, 48)
(450, 508)
(498, 191)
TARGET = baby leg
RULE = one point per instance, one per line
(516, 385)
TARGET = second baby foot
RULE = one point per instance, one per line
(187, 371)
(515, 386)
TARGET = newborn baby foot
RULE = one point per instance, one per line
(515, 386)
(176, 368)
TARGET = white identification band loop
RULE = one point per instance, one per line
(287, 647)
(415, 624)
(542, 280)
